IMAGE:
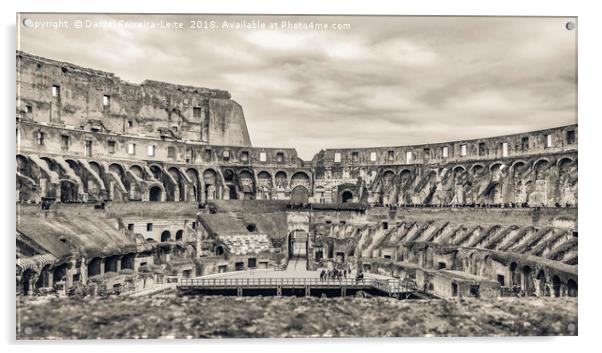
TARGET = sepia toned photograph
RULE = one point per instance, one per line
(197, 176)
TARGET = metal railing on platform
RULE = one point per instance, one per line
(385, 285)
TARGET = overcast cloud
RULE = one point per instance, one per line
(385, 81)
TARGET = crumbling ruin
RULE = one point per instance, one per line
(122, 185)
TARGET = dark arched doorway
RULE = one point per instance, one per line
(514, 275)
(155, 194)
(179, 234)
(528, 284)
(556, 286)
(68, 191)
(165, 236)
(347, 196)
(94, 267)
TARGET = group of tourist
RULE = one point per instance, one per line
(334, 274)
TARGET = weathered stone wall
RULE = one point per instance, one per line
(502, 209)
(68, 95)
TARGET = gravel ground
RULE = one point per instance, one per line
(221, 317)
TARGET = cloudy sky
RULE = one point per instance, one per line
(379, 81)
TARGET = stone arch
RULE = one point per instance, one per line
(180, 235)
(137, 171)
(300, 178)
(528, 282)
(540, 167)
(97, 168)
(51, 164)
(405, 176)
(165, 236)
(23, 164)
(264, 185)
(155, 193)
(458, 167)
(69, 191)
(156, 170)
(495, 165)
(518, 167)
(487, 268)
(117, 169)
(74, 165)
(300, 195)
(177, 176)
(541, 160)
(388, 176)
(477, 169)
(473, 262)
(193, 175)
(59, 273)
(281, 179)
(228, 175)
(246, 184)
(298, 243)
(542, 289)
(94, 267)
(44, 277)
(111, 263)
(127, 262)
(211, 182)
(27, 180)
(563, 160)
(346, 196)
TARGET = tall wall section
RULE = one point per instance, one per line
(64, 94)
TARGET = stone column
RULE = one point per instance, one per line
(50, 278)
(102, 266)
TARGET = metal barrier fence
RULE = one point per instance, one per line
(385, 285)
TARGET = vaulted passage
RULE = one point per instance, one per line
(347, 196)
(155, 194)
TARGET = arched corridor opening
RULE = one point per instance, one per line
(94, 267)
(179, 234)
(165, 236)
(556, 286)
(127, 262)
(541, 284)
(528, 285)
(298, 243)
(347, 196)
(68, 191)
(25, 282)
(155, 194)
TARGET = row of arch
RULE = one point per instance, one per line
(86, 180)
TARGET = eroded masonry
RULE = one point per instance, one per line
(121, 186)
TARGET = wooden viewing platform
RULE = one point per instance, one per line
(295, 286)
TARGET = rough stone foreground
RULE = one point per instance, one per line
(223, 317)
